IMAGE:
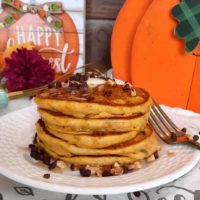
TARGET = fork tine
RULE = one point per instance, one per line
(162, 119)
(164, 115)
(158, 130)
(160, 123)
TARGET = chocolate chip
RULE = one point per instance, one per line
(126, 170)
(184, 130)
(137, 194)
(47, 176)
(72, 167)
(106, 173)
(126, 87)
(40, 156)
(199, 132)
(53, 165)
(195, 137)
(84, 172)
(108, 93)
(79, 77)
(156, 155)
(173, 136)
(73, 86)
(83, 78)
(31, 97)
(46, 159)
(31, 146)
(35, 139)
(34, 153)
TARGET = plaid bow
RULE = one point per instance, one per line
(188, 14)
(46, 11)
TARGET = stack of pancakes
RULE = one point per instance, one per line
(95, 124)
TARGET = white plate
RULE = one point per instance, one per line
(17, 130)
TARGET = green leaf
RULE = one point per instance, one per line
(58, 24)
(8, 1)
(187, 13)
(9, 20)
(55, 7)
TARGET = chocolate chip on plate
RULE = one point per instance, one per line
(47, 176)
(46, 159)
(31, 146)
(53, 165)
(156, 155)
(195, 137)
(84, 172)
(106, 173)
(126, 170)
(184, 130)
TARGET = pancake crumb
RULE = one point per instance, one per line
(171, 153)
(61, 164)
(151, 158)
(137, 165)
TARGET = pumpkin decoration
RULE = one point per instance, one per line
(158, 60)
(61, 47)
(123, 35)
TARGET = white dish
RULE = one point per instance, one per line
(17, 131)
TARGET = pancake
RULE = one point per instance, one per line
(99, 160)
(92, 103)
(142, 142)
(98, 124)
(95, 140)
(65, 123)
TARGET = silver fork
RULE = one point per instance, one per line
(167, 130)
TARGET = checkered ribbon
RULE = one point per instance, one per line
(47, 11)
(188, 14)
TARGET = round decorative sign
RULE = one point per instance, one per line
(61, 47)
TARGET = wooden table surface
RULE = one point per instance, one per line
(100, 15)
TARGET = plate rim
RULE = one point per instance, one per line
(98, 190)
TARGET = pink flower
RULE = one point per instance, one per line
(27, 69)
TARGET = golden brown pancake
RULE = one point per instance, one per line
(99, 160)
(84, 124)
(94, 140)
(92, 103)
(143, 141)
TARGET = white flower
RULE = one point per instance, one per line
(2, 25)
(25, 8)
(49, 19)
(45, 7)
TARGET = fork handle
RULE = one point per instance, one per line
(194, 143)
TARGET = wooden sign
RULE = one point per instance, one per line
(64, 48)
